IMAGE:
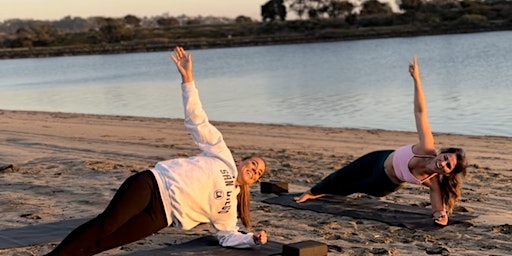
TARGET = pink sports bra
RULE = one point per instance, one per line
(401, 159)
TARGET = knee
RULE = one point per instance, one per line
(105, 225)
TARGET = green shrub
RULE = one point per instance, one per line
(472, 20)
(377, 20)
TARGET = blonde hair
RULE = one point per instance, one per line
(243, 206)
(244, 199)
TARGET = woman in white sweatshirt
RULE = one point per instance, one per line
(184, 192)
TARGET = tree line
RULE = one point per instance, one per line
(319, 20)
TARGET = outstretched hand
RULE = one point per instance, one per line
(414, 69)
(183, 63)
(260, 237)
(306, 196)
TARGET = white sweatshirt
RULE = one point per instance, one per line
(202, 189)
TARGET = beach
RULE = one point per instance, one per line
(70, 165)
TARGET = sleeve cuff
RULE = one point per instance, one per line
(189, 84)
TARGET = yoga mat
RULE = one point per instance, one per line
(38, 234)
(56, 231)
(208, 245)
(8, 168)
(409, 216)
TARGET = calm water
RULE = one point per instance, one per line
(360, 84)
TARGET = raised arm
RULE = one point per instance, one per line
(204, 134)
(426, 139)
(184, 64)
(426, 142)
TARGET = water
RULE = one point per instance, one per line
(358, 84)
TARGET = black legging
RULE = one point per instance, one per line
(365, 175)
(136, 211)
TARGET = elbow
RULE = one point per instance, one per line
(419, 109)
(419, 113)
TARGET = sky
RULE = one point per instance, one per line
(57, 9)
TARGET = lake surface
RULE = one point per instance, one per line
(467, 79)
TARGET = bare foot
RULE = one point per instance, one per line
(441, 219)
(306, 196)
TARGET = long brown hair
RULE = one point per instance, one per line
(451, 185)
(243, 206)
(244, 199)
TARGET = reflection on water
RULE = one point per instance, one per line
(361, 84)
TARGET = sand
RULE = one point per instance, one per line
(69, 166)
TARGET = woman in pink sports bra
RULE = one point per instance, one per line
(382, 172)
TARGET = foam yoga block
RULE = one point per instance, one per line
(305, 248)
(276, 187)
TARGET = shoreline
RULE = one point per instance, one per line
(71, 164)
(333, 35)
(177, 123)
(121, 116)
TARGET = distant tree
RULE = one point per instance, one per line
(299, 7)
(12, 25)
(337, 9)
(43, 33)
(273, 9)
(410, 5)
(351, 19)
(471, 20)
(193, 22)
(372, 7)
(313, 14)
(411, 8)
(24, 38)
(114, 30)
(243, 19)
(132, 20)
(32, 33)
(166, 22)
(100, 21)
(316, 9)
(503, 10)
(73, 24)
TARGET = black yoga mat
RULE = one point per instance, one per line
(56, 231)
(39, 233)
(208, 245)
(412, 217)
